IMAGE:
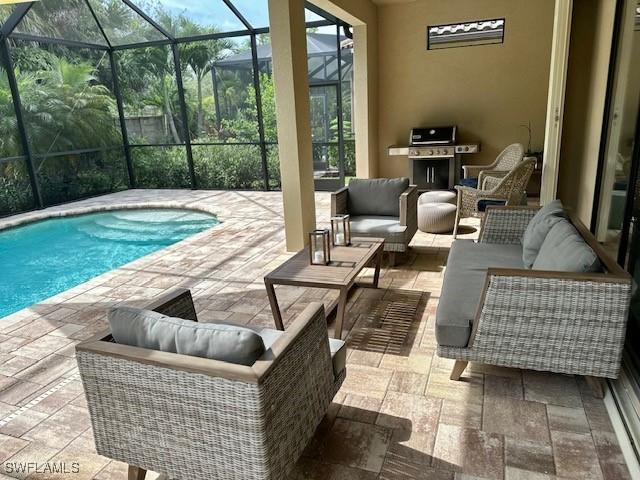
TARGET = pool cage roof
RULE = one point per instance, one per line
(117, 25)
(123, 24)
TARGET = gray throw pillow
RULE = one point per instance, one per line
(152, 330)
(538, 228)
(376, 196)
(564, 250)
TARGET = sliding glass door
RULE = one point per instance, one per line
(617, 219)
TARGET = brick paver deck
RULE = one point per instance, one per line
(397, 416)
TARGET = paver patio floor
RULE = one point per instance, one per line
(397, 416)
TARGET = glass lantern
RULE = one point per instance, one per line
(341, 230)
(319, 253)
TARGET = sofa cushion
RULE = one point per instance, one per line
(463, 283)
(152, 330)
(538, 228)
(565, 250)
(377, 196)
(388, 228)
(338, 348)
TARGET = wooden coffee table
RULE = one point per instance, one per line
(346, 264)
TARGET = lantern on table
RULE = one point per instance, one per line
(341, 230)
(319, 253)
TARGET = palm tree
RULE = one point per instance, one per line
(200, 57)
(10, 145)
(149, 74)
(66, 109)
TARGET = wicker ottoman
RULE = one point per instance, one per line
(436, 217)
(438, 196)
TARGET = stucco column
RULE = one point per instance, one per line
(365, 100)
(291, 83)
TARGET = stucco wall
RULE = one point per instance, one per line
(589, 53)
(488, 90)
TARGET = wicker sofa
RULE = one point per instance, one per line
(496, 311)
(197, 418)
(380, 208)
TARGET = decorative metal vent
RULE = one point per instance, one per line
(481, 32)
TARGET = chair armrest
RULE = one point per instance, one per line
(339, 201)
(484, 174)
(562, 322)
(505, 225)
(409, 207)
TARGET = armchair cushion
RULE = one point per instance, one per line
(565, 250)
(538, 229)
(378, 196)
(338, 348)
(469, 182)
(388, 228)
(463, 283)
(483, 204)
(147, 329)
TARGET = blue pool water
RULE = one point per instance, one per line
(42, 259)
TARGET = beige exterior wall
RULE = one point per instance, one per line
(591, 35)
(488, 91)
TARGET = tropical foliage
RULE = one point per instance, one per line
(71, 114)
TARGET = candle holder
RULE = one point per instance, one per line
(319, 251)
(341, 230)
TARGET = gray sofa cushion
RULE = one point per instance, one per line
(376, 196)
(463, 284)
(537, 230)
(338, 348)
(152, 330)
(565, 250)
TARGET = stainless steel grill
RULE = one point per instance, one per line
(435, 156)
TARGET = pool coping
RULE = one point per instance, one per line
(36, 216)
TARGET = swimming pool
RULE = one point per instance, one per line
(39, 260)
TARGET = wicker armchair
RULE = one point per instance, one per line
(507, 190)
(506, 161)
(196, 418)
(396, 231)
(561, 322)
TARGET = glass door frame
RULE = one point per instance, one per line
(626, 389)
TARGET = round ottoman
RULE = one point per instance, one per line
(438, 196)
(436, 217)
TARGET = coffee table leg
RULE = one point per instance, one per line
(376, 274)
(273, 301)
(342, 306)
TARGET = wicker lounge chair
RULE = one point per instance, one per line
(196, 418)
(507, 190)
(381, 208)
(519, 317)
(474, 175)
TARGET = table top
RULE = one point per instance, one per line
(346, 264)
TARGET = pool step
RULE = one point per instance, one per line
(111, 223)
(162, 217)
(133, 236)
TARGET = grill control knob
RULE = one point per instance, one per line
(413, 153)
(466, 149)
(430, 152)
